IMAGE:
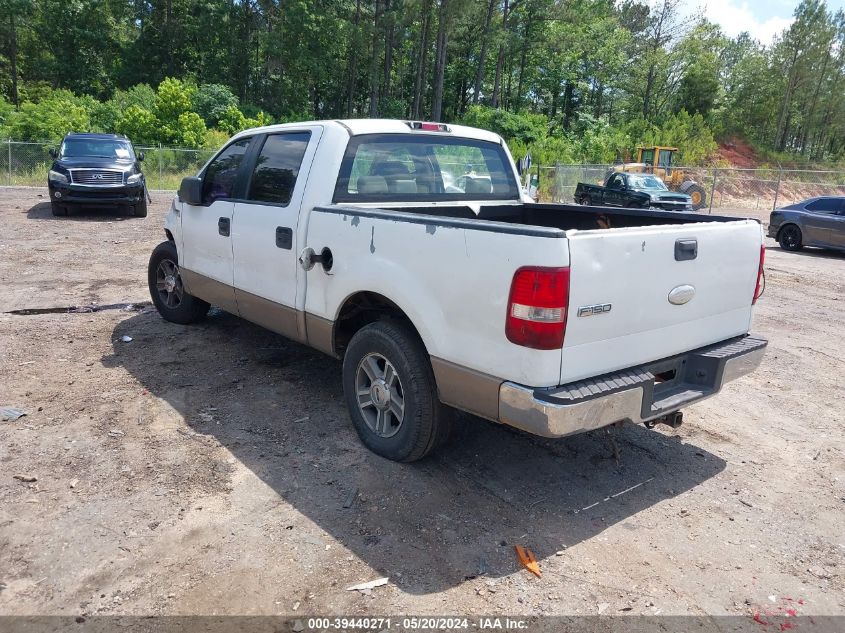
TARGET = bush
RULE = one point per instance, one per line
(553, 149)
(262, 118)
(6, 110)
(140, 95)
(190, 130)
(49, 119)
(211, 101)
(104, 116)
(215, 139)
(527, 129)
(599, 142)
(234, 121)
(34, 91)
(140, 125)
(173, 99)
(689, 133)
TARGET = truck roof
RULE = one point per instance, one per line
(356, 127)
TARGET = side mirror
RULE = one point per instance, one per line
(54, 153)
(140, 156)
(190, 191)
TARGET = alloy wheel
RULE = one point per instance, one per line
(380, 395)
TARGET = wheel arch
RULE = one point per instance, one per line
(360, 309)
(786, 224)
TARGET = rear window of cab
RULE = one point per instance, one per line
(424, 168)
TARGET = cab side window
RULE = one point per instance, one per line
(277, 168)
(222, 173)
(617, 182)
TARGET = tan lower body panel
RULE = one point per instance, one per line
(457, 386)
(467, 389)
(320, 333)
(208, 289)
(274, 316)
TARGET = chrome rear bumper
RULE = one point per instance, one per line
(638, 394)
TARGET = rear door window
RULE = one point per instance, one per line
(277, 168)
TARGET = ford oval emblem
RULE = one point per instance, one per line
(681, 295)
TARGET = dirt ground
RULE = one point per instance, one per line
(207, 469)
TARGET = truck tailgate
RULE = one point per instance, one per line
(620, 313)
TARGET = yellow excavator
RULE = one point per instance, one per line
(658, 161)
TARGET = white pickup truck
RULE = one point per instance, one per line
(408, 250)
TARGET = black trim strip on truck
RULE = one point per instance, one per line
(683, 217)
(454, 223)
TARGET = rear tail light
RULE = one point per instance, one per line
(537, 307)
(761, 285)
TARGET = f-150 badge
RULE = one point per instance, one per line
(599, 308)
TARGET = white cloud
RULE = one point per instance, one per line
(734, 17)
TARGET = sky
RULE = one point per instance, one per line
(763, 19)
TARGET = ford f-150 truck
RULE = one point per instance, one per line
(408, 250)
(638, 191)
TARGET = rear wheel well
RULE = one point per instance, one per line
(360, 310)
(783, 226)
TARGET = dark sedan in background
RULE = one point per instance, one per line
(813, 222)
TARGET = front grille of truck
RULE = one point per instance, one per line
(98, 177)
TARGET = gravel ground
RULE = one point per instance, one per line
(208, 469)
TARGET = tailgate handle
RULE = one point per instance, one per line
(686, 249)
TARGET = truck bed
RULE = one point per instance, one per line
(656, 283)
(563, 216)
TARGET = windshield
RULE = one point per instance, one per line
(424, 167)
(646, 182)
(97, 148)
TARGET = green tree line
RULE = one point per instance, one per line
(571, 80)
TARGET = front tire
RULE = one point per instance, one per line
(698, 197)
(790, 238)
(58, 209)
(168, 292)
(140, 209)
(391, 393)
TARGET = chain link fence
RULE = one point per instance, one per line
(725, 188)
(27, 164)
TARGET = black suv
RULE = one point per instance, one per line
(97, 170)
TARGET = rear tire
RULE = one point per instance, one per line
(790, 238)
(167, 291)
(391, 393)
(585, 201)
